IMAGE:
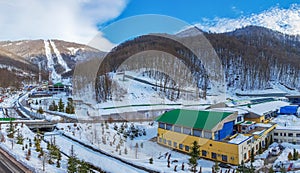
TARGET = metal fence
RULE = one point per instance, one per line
(30, 113)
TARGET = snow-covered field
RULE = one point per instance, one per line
(10, 144)
(138, 150)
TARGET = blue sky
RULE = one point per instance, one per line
(112, 21)
(193, 11)
(183, 12)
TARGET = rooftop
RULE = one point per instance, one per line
(239, 139)
(262, 108)
(205, 120)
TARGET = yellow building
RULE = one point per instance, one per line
(178, 129)
(263, 112)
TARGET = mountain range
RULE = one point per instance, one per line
(252, 57)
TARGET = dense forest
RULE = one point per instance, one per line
(251, 58)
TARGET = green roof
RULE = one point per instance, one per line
(59, 84)
(205, 120)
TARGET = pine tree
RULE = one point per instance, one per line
(61, 106)
(40, 110)
(195, 152)
(83, 167)
(216, 167)
(271, 170)
(11, 130)
(260, 149)
(125, 150)
(20, 138)
(72, 161)
(295, 154)
(290, 156)
(252, 155)
(58, 163)
(53, 106)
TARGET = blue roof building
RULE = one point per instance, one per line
(289, 110)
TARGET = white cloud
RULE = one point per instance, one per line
(286, 21)
(70, 20)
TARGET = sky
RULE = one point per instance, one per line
(105, 23)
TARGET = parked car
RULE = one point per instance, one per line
(275, 151)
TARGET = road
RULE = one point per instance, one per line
(9, 165)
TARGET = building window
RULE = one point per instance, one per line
(213, 155)
(245, 156)
(162, 125)
(177, 129)
(224, 158)
(256, 147)
(281, 134)
(169, 127)
(187, 148)
(275, 134)
(181, 146)
(165, 141)
(160, 140)
(207, 135)
(284, 134)
(298, 134)
(239, 119)
(290, 134)
(169, 142)
(197, 133)
(187, 131)
(204, 153)
(249, 141)
(175, 144)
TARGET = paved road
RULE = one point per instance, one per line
(3, 167)
(10, 165)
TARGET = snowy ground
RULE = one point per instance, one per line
(107, 140)
(45, 102)
(17, 151)
(287, 122)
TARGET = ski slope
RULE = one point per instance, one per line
(60, 60)
(50, 63)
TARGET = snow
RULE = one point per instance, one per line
(34, 162)
(258, 132)
(257, 164)
(240, 111)
(274, 18)
(262, 108)
(85, 132)
(283, 157)
(239, 139)
(60, 60)
(263, 125)
(93, 157)
(73, 50)
(287, 122)
(132, 96)
(265, 154)
(50, 63)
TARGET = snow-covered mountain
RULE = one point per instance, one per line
(253, 58)
(286, 21)
(57, 56)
